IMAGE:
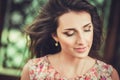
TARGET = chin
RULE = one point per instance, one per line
(82, 55)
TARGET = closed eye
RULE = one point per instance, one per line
(87, 28)
(69, 33)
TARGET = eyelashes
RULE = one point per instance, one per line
(69, 34)
(72, 32)
(87, 29)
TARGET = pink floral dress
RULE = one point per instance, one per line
(41, 69)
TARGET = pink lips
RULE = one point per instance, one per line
(80, 50)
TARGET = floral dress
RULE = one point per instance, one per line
(41, 69)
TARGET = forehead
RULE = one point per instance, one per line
(72, 19)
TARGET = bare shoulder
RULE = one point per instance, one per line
(115, 75)
(25, 72)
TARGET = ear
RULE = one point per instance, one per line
(55, 37)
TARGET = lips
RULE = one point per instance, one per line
(80, 50)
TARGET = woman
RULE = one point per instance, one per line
(63, 36)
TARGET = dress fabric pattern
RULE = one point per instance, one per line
(41, 69)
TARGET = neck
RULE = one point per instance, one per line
(71, 61)
(75, 66)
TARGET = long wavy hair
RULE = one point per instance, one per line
(46, 23)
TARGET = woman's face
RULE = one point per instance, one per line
(75, 34)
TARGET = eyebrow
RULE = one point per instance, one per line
(86, 25)
(74, 28)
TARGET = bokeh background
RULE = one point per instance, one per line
(15, 15)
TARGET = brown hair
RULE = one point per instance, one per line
(41, 41)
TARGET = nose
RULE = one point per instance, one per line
(80, 39)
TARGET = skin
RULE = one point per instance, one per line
(75, 35)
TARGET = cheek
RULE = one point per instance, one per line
(66, 43)
(89, 39)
